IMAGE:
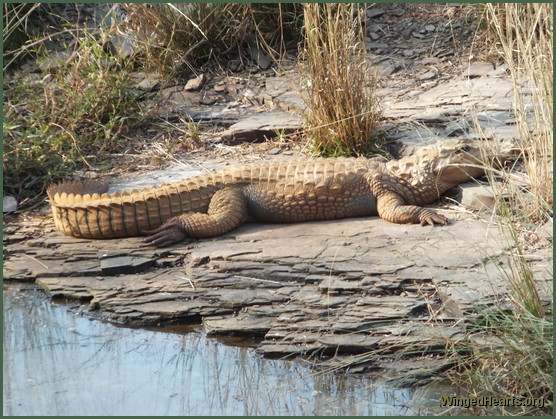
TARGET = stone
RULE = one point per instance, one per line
(144, 81)
(297, 307)
(235, 65)
(220, 87)
(547, 229)
(9, 204)
(385, 68)
(350, 342)
(430, 28)
(54, 61)
(196, 83)
(177, 96)
(457, 128)
(376, 46)
(413, 372)
(477, 196)
(208, 100)
(243, 325)
(258, 57)
(414, 93)
(124, 45)
(478, 69)
(492, 118)
(444, 52)
(337, 285)
(125, 264)
(373, 12)
(429, 75)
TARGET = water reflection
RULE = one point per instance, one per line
(57, 363)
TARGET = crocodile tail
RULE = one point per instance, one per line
(84, 209)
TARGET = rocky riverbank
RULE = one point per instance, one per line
(362, 294)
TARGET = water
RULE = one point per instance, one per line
(58, 363)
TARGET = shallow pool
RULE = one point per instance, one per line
(59, 363)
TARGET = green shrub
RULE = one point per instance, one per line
(53, 122)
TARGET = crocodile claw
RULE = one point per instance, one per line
(431, 218)
(166, 235)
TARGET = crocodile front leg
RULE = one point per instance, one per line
(227, 210)
(391, 207)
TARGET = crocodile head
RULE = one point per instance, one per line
(449, 162)
(460, 160)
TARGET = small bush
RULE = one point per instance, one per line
(54, 121)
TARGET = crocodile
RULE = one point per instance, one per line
(279, 192)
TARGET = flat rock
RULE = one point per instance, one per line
(376, 45)
(478, 69)
(373, 12)
(260, 59)
(124, 46)
(125, 264)
(260, 126)
(477, 197)
(241, 325)
(429, 75)
(176, 95)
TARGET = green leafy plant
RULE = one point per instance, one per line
(61, 119)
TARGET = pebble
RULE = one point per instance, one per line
(195, 83)
(427, 76)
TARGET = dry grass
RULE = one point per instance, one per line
(510, 354)
(525, 39)
(341, 97)
(524, 33)
(191, 34)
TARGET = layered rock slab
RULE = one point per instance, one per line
(333, 288)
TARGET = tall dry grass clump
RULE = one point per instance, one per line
(510, 354)
(524, 33)
(525, 38)
(343, 108)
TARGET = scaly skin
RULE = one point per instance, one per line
(280, 192)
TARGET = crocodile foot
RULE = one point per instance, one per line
(431, 218)
(169, 233)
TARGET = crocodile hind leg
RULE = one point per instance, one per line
(391, 207)
(227, 210)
